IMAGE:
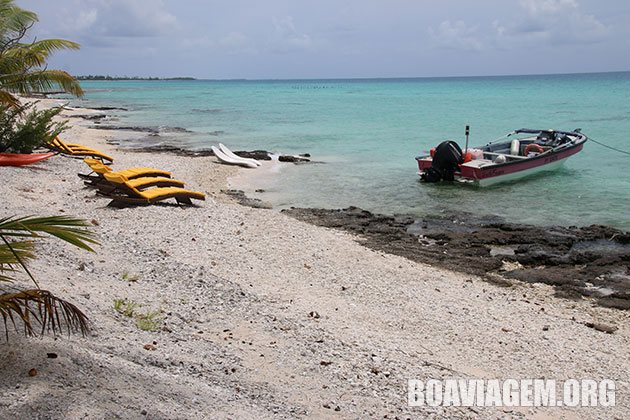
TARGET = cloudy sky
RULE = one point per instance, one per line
(276, 39)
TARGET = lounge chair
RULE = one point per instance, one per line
(150, 196)
(112, 184)
(99, 169)
(76, 150)
(62, 146)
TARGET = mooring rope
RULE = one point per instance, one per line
(609, 147)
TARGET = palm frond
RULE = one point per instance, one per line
(11, 64)
(35, 54)
(45, 47)
(10, 269)
(8, 99)
(40, 307)
(69, 229)
(13, 18)
(42, 81)
(11, 255)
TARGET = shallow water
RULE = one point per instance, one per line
(367, 133)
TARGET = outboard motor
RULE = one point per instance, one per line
(447, 157)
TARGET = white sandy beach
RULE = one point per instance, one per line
(263, 316)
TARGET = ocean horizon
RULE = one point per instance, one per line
(357, 78)
(363, 135)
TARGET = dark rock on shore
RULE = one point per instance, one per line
(254, 154)
(94, 117)
(167, 129)
(589, 261)
(128, 128)
(154, 131)
(106, 108)
(293, 159)
(165, 148)
(174, 150)
(243, 200)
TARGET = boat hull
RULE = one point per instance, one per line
(16, 159)
(514, 176)
(516, 170)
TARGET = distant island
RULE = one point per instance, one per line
(100, 77)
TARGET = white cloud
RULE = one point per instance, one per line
(553, 22)
(536, 7)
(93, 20)
(456, 35)
(86, 19)
(286, 38)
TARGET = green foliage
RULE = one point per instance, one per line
(21, 133)
(23, 65)
(149, 321)
(102, 77)
(131, 278)
(68, 229)
(125, 307)
(37, 306)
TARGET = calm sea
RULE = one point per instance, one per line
(366, 133)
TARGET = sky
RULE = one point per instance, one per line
(310, 39)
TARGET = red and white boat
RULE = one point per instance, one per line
(519, 154)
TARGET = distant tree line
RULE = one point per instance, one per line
(101, 77)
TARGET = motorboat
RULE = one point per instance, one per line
(521, 153)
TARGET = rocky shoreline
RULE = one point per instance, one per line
(96, 120)
(592, 261)
(582, 262)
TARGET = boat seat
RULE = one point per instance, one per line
(477, 163)
(506, 155)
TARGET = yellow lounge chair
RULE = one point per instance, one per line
(114, 186)
(151, 195)
(77, 150)
(60, 145)
(99, 169)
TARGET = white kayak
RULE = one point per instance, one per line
(233, 155)
(232, 161)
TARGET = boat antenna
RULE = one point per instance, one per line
(467, 133)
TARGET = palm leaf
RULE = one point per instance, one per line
(14, 18)
(40, 307)
(46, 47)
(11, 255)
(23, 65)
(8, 99)
(36, 54)
(42, 81)
(66, 228)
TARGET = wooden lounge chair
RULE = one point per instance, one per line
(99, 169)
(150, 196)
(77, 150)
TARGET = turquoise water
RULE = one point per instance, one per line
(367, 133)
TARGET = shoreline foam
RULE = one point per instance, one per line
(265, 316)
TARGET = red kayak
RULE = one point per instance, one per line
(15, 159)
